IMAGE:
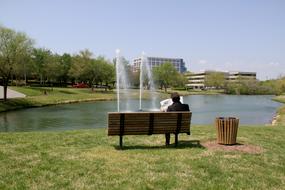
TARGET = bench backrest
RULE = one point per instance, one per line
(147, 123)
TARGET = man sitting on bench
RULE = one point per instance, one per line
(176, 106)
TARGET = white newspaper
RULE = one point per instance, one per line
(167, 102)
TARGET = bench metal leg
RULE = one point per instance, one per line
(121, 141)
(176, 139)
(167, 139)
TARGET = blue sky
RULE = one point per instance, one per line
(234, 35)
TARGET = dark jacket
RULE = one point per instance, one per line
(178, 106)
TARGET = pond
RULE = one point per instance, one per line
(252, 110)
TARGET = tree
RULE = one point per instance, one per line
(135, 79)
(215, 79)
(41, 57)
(53, 69)
(14, 47)
(165, 75)
(99, 71)
(65, 61)
(79, 66)
(181, 81)
(108, 73)
(23, 70)
(275, 86)
(94, 71)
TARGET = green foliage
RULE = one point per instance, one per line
(65, 61)
(107, 71)
(180, 81)
(43, 60)
(165, 75)
(277, 86)
(135, 79)
(84, 68)
(54, 69)
(215, 79)
(15, 47)
(79, 66)
(251, 87)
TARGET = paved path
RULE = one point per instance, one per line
(11, 93)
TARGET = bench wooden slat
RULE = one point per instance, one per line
(154, 129)
(147, 123)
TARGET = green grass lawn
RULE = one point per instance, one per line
(44, 96)
(37, 97)
(281, 110)
(89, 159)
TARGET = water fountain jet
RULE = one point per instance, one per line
(122, 83)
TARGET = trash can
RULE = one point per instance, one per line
(227, 128)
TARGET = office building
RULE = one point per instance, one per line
(178, 63)
(197, 80)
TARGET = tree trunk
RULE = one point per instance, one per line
(92, 86)
(106, 87)
(5, 87)
(5, 93)
(165, 88)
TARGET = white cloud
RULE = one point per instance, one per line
(202, 61)
(276, 64)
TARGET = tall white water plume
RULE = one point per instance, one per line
(117, 79)
(146, 74)
(151, 86)
(141, 79)
(122, 82)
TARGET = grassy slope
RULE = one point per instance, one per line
(88, 159)
(36, 97)
(281, 111)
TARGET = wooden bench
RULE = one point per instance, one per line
(148, 123)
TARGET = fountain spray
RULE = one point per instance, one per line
(118, 79)
(141, 79)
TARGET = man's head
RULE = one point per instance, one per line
(175, 97)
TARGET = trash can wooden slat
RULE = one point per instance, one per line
(227, 128)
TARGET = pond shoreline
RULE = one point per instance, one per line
(21, 106)
(279, 118)
(63, 96)
(44, 100)
(72, 115)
